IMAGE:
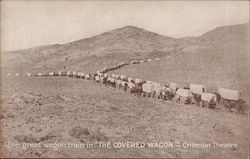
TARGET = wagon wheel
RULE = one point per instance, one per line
(227, 105)
(202, 104)
(222, 104)
(240, 106)
(212, 104)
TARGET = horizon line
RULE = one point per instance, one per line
(44, 45)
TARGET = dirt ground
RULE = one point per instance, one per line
(66, 110)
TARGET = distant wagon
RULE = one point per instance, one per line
(135, 62)
(149, 82)
(208, 100)
(124, 84)
(183, 96)
(173, 86)
(130, 79)
(123, 77)
(138, 80)
(45, 73)
(17, 74)
(97, 79)
(59, 73)
(231, 99)
(62, 73)
(74, 74)
(131, 87)
(51, 73)
(117, 77)
(197, 90)
(147, 89)
(105, 75)
(80, 75)
(69, 74)
(111, 82)
(100, 74)
(121, 64)
(104, 70)
(29, 74)
(113, 75)
(39, 74)
(87, 76)
(151, 89)
(119, 84)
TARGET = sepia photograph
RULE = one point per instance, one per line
(124, 79)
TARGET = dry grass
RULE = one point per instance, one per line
(111, 115)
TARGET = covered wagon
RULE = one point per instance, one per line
(147, 88)
(69, 74)
(74, 74)
(208, 100)
(183, 96)
(123, 77)
(135, 62)
(229, 94)
(197, 90)
(80, 75)
(51, 73)
(105, 75)
(231, 99)
(97, 79)
(131, 87)
(138, 80)
(39, 74)
(87, 76)
(130, 79)
(119, 83)
(173, 86)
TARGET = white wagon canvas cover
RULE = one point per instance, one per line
(51, 73)
(173, 85)
(184, 92)
(197, 89)
(229, 94)
(208, 97)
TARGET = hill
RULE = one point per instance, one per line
(218, 58)
(93, 53)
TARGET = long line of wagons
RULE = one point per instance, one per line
(62, 73)
(194, 94)
(104, 70)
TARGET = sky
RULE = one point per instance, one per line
(26, 24)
